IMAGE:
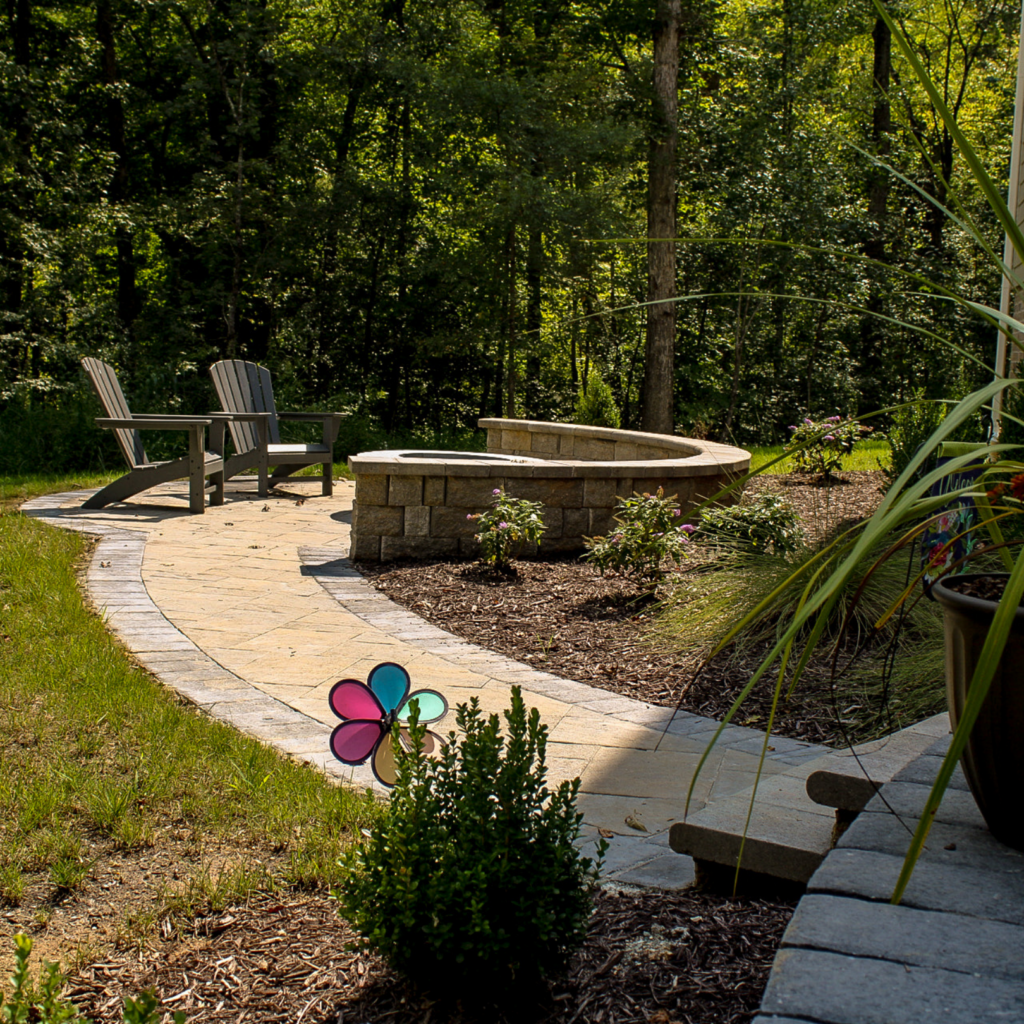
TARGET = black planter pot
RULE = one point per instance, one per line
(993, 760)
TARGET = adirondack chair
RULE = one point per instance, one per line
(245, 387)
(143, 474)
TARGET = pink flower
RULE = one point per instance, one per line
(809, 423)
(497, 490)
(688, 528)
(828, 437)
(502, 526)
(470, 515)
(791, 427)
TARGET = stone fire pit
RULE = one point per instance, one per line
(414, 503)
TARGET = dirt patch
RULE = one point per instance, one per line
(649, 956)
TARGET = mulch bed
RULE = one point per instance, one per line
(564, 617)
(653, 957)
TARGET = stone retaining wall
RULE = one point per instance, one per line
(415, 504)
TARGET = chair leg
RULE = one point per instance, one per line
(217, 446)
(217, 479)
(328, 479)
(263, 466)
(197, 471)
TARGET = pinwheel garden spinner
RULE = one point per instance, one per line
(369, 710)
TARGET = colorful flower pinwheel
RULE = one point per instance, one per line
(368, 711)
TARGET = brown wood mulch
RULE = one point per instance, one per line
(653, 957)
(565, 618)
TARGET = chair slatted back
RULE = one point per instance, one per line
(245, 387)
(108, 391)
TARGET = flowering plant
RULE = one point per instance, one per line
(818, 446)
(510, 524)
(649, 531)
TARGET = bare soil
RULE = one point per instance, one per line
(566, 618)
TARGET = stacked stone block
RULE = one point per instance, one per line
(421, 507)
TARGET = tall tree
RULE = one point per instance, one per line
(659, 364)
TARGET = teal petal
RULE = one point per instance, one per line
(432, 706)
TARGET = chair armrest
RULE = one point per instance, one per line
(155, 422)
(240, 417)
(312, 417)
(330, 420)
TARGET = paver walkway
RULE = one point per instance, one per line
(253, 612)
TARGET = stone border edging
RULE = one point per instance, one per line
(119, 595)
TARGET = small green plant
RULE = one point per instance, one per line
(595, 406)
(649, 531)
(818, 446)
(473, 880)
(767, 522)
(70, 873)
(510, 524)
(41, 1003)
(12, 883)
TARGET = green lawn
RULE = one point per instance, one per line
(866, 455)
(102, 760)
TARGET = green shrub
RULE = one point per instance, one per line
(649, 531)
(473, 881)
(595, 406)
(818, 446)
(510, 524)
(765, 522)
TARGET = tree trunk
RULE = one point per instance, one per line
(534, 313)
(13, 246)
(510, 392)
(881, 127)
(878, 187)
(658, 404)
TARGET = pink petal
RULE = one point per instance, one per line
(350, 698)
(352, 742)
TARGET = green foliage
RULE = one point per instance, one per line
(910, 426)
(507, 527)
(472, 884)
(818, 446)
(762, 523)
(234, 192)
(595, 404)
(649, 531)
(42, 1002)
(35, 1002)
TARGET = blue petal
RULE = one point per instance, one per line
(390, 684)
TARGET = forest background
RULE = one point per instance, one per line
(425, 211)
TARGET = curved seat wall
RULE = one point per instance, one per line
(415, 504)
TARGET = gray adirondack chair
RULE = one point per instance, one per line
(246, 388)
(199, 464)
